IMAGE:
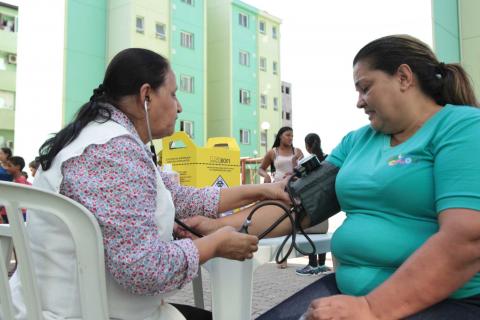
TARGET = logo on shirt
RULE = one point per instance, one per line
(400, 160)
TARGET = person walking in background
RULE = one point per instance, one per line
(5, 153)
(33, 166)
(282, 158)
(313, 145)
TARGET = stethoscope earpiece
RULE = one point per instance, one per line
(149, 131)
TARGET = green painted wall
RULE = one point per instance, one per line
(190, 62)
(219, 48)
(470, 40)
(244, 77)
(121, 24)
(446, 30)
(85, 52)
(269, 84)
(152, 11)
(5, 137)
(8, 46)
(457, 35)
(226, 76)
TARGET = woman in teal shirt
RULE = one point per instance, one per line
(409, 184)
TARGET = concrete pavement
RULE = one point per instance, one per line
(270, 286)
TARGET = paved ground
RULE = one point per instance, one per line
(270, 286)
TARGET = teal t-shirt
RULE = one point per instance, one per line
(392, 196)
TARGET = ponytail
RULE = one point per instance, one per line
(457, 88)
(125, 75)
(444, 83)
(90, 111)
(312, 140)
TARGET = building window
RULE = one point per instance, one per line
(189, 2)
(287, 90)
(186, 39)
(275, 67)
(262, 27)
(7, 100)
(8, 23)
(263, 101)
(140, 24)
(187, 126)
(244, 58)
(274, 32)
(263, 139)
(160, 30)
(243, 20)
(244, 136)
(244, 96)
(287, 115)
(275, 103)
(186, 83)
(263, 64)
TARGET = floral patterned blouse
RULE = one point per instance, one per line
(117, 183)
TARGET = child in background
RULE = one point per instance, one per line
(14, 166)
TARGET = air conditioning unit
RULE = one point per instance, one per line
(12, 58)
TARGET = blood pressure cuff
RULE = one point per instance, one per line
(316, 192)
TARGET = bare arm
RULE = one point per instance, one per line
(266, 162)
(239, 196)
(439, 267)
(261, 220)
(442, 265)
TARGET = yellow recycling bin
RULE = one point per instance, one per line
(216, 164)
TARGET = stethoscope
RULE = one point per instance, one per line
(294, 214)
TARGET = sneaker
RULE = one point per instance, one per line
(323, 269)
(308, 270)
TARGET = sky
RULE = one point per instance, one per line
(319, 39)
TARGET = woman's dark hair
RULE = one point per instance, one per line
(312, 140)
(34, 164)
(276, 143)
(7, 151)
(126, 73)
(444, 83)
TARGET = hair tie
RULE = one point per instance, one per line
(440, 71)
(97, 92)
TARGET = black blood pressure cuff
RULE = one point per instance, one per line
(316, 193)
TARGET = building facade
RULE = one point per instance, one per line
(216, 63)
(456, 30)
(8, 68)
(287, 104)
(243, 74)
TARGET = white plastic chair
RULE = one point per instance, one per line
(85, 233)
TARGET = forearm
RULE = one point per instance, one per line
(261, 220)
(207, 246)
(262, 172)
(430, 275)
(239, 196)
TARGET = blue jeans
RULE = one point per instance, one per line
(293, 307)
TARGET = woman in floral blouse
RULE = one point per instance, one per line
(101, 161)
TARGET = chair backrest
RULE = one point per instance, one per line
(86, 236)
